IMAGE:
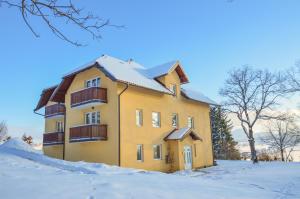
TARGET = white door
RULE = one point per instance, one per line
(188, 157)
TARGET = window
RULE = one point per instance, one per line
(173, 88)
(156, 119)
(59, 126)
(92, 118)
(139, 152)
(92, 83)
(175, 120)
(191, 122)
(139, 117)
(157, 152)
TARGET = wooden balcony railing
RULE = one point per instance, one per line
(53, 138)
(89, 95)
(55, 109)
(88, 132)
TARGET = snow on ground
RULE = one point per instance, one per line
(25, 173)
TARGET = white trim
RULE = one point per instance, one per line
(160, 151)
(91, 80)
(55, 116)
(177, 119)
(159, 119)
(192, 122)
(86, 104)
(139, 117)
(142, 152)
(80, 125)
(91, 117)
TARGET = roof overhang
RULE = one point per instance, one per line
(60, 92)
(181, 134)
(180, 72)
(45, 96)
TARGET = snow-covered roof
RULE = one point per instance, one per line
(179, 134)
(129, 72)
(125, 71)
(133, 73)
(160, 70)
(198, 96)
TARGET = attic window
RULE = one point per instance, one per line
(173, 89)
(92, 83)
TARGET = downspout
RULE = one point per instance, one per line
(64, 145)
(119, 122)
(35, 111)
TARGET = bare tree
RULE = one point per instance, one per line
(250, 94)
(27, 139)
(294, 77)
(283, 135)
(3, 131)
(49, 10)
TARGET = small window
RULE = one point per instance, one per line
(157, 152)
(173, 88)
(92, 118)
(93, 83)
(139, 117)
(156, 119)
(175, 120)
(191, 122)
(87, 118)
(139, 152)
(59, 126)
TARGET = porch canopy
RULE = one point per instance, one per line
(180, 134)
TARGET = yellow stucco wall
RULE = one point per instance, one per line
(95, 151)
(150, 101)
(55, 151)
(131, 135)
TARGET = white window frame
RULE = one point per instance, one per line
(173, 88)
(90, 81)
(174, 115)
(90, 115)
(140, 148)
(190, 122)
(139, 117)
(160, 151)
(59, 125)
(156, 124)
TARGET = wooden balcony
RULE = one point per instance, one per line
(92, 132)
(53, 138)
(89, 97)
(55, 110)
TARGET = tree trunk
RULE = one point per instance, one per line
(252, 146)
(282, 155)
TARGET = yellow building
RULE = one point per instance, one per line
(121, 113)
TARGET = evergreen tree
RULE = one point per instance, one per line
(223, 142)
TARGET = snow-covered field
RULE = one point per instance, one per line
(26, 173)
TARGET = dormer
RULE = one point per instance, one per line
(170, 74)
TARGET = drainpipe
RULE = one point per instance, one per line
(35, 111)
(119, 121)
(64, 144)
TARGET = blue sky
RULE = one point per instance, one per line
(209, 37)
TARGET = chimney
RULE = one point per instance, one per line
(130, 60)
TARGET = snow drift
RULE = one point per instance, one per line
(27, 173)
